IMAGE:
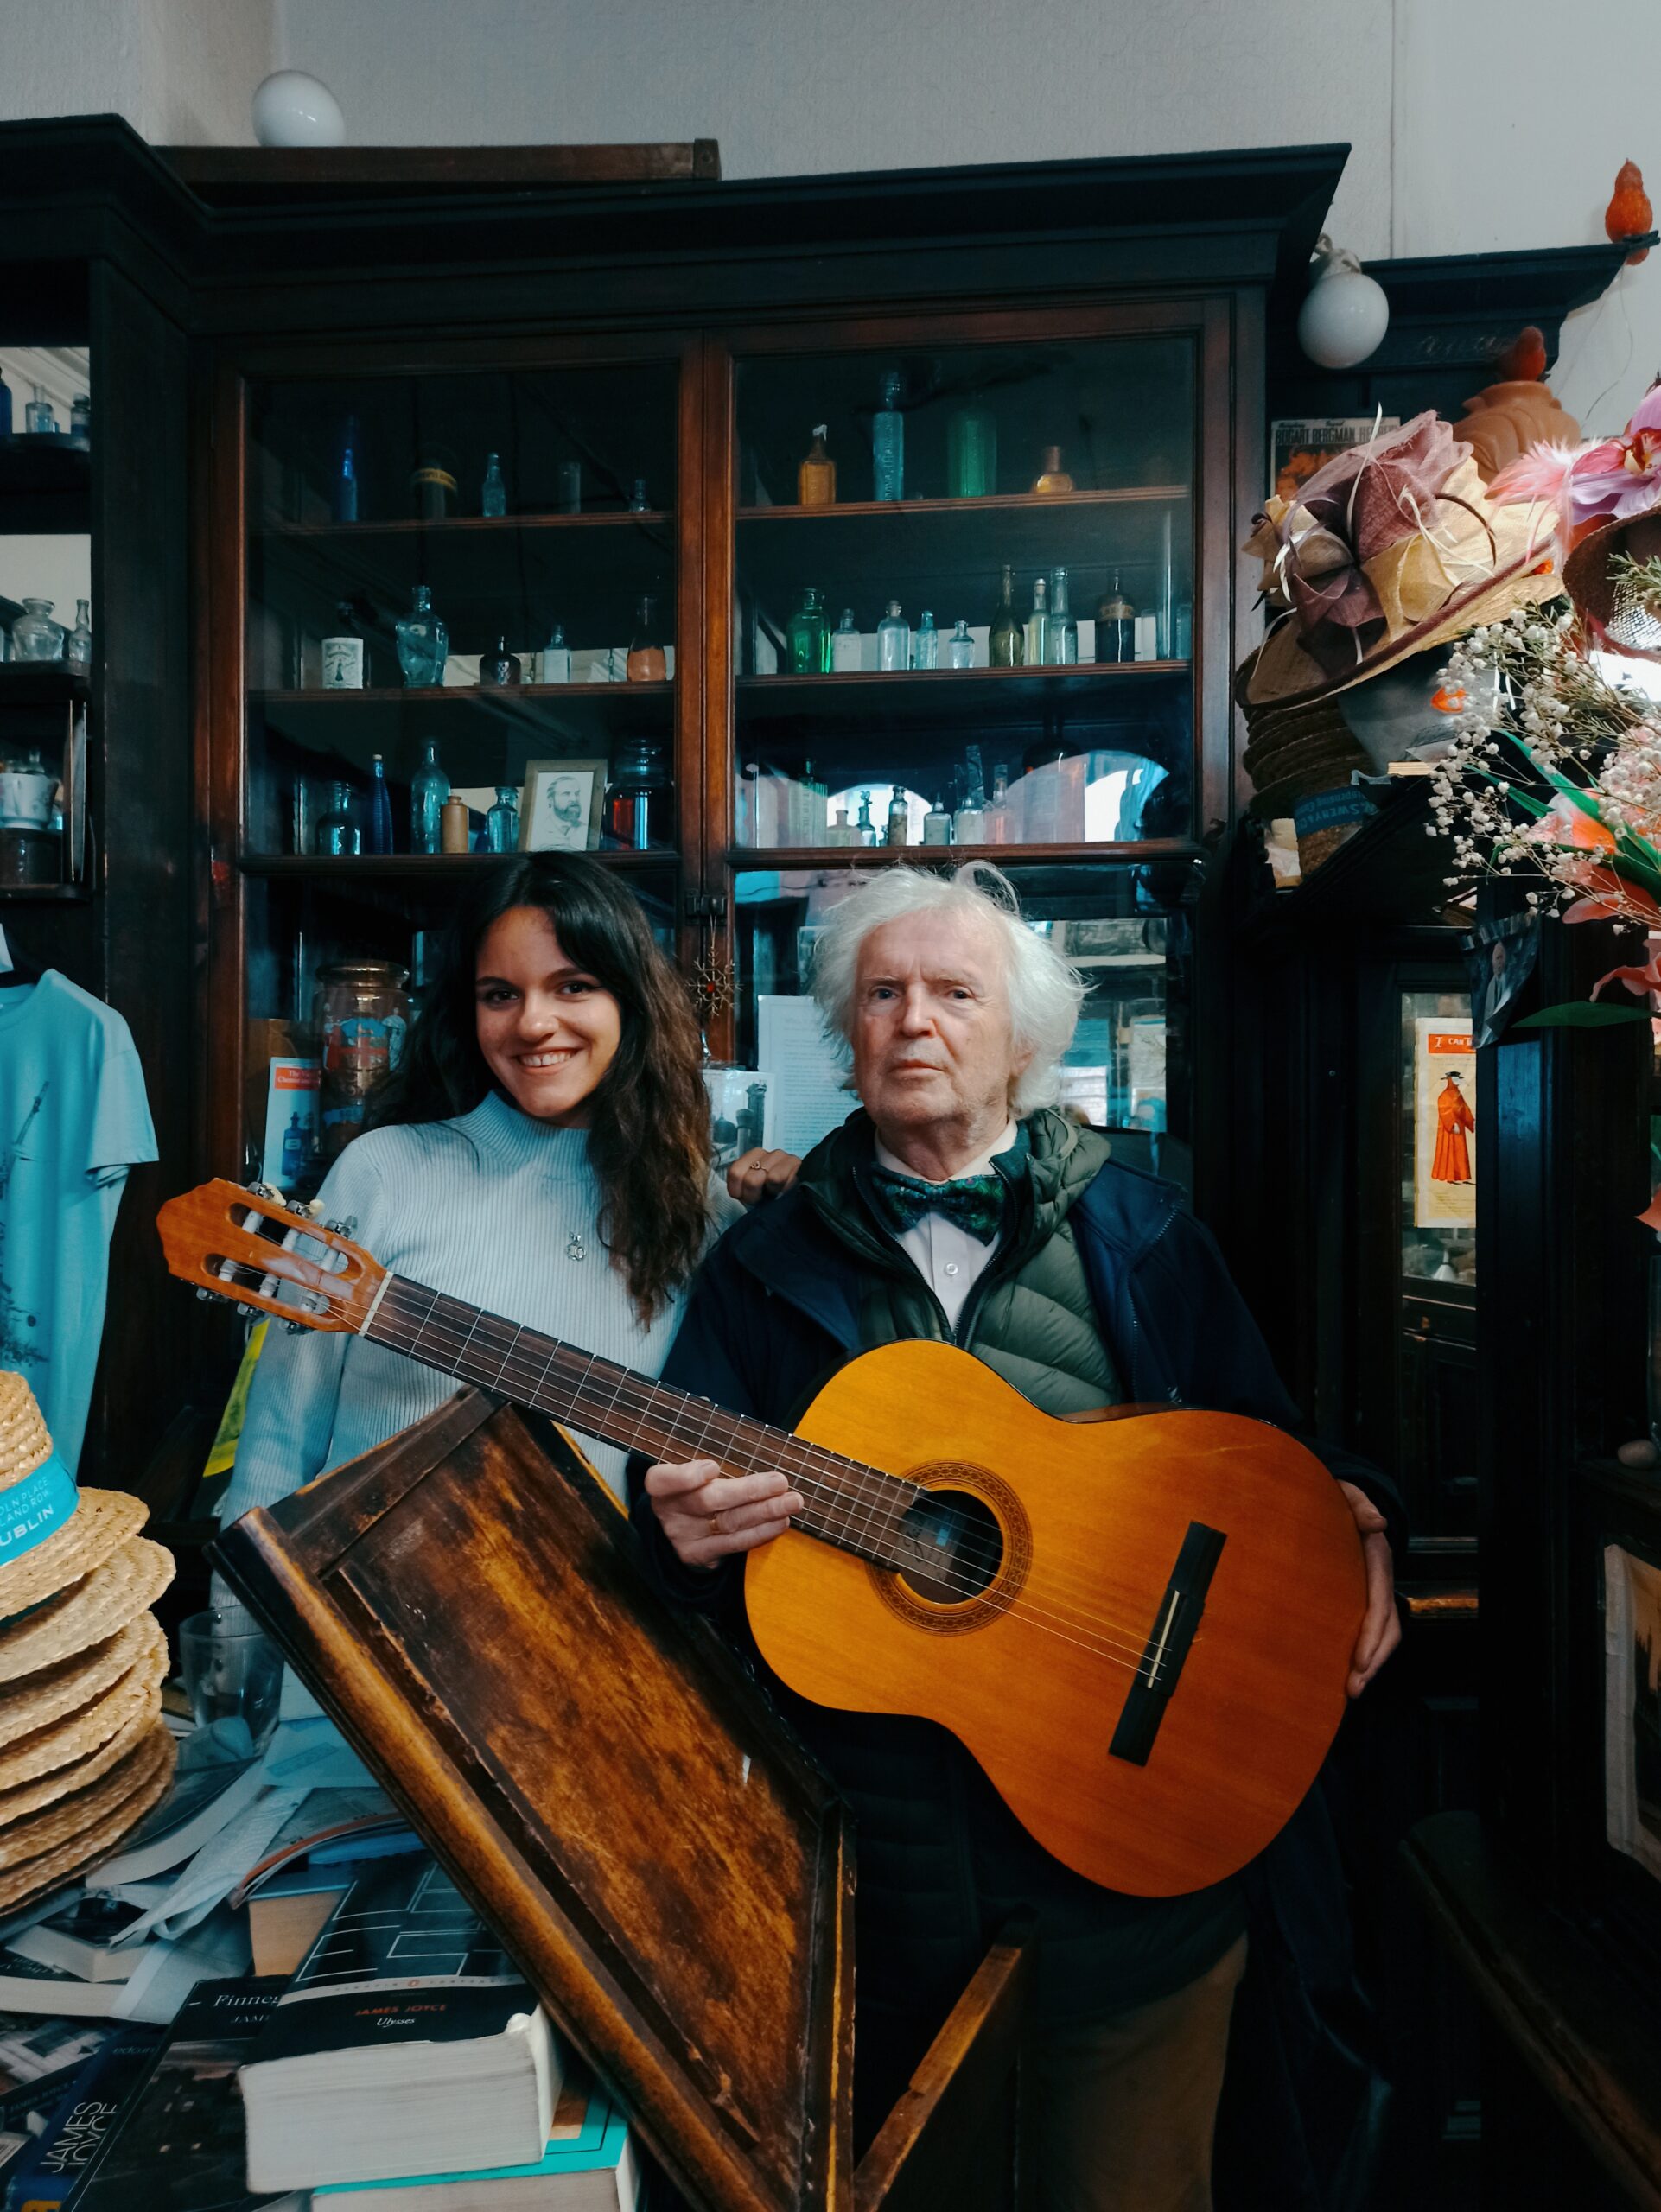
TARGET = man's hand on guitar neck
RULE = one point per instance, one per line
(707, 1515)
(1381, 1628)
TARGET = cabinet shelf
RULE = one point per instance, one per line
(447, 525)
(41, 683)
(488, 696)
(990, 503)
(45, 489)
(414, 868)
(786, 859)
(485, 724)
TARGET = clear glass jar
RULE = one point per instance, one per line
(641, 798)
(361, 1015)
(423, 642)
(337, 830)
(35, 635)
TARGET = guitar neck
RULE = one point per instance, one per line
(858, 1509)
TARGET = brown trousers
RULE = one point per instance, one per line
(1123, 2111)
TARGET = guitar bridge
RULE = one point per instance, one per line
(1160, 1668)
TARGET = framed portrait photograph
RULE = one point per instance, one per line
(561, 808)
(1632, 1715)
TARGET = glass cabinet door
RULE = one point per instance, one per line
(964, 595)
(460, 586)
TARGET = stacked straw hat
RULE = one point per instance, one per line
(84, 1753)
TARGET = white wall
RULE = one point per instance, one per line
(1497, 124)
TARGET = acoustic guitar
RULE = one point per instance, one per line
(1141, 1627)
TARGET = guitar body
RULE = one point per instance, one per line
(1073, 1578)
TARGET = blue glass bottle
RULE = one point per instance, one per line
(337, 832)
(502, 823)
(888, 443)
(428, 792)
(926, 643)
(379, 837)
(346, 476)
(493, 495)
(38, 421)
(423, 642)
(5, 409)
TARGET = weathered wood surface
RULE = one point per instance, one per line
(599, 1773)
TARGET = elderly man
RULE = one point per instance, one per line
(959, 1204)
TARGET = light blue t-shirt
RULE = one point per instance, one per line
(73, 1119)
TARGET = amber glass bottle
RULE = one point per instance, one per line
(816, 480)
(1052, 476)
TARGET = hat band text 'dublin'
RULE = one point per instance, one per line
(36, 1508)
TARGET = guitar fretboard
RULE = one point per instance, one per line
(855, 1507)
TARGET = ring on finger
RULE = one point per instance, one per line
(715, 1528)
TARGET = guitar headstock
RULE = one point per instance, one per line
(237, 1243)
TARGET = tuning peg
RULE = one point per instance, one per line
(202, 1293)
(343, 1228)
(246, 1312)
(264, 1190)
(296, 1328)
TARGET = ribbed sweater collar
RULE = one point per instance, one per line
(517, 1141)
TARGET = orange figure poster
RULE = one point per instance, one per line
(1444, 1119)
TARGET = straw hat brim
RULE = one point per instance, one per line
(1588, 583)
(128, 1583)
(63, 1742)
(1278, 673)
(71, 1836)
(37, 1701)
(30, 1796)
(100, 1525)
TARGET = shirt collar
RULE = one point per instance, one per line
(979, 1166)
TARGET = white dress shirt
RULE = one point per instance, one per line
(947, 1257)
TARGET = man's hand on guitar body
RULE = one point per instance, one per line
(1381, 1628)
(707, 1515)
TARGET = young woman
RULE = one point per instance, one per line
(543, 1151)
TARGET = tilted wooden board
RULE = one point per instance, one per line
(600, 1776)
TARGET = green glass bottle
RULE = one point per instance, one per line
(1006, 647)
(809, 635)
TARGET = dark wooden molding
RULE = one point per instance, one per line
(273, 176)
(1586, 2035)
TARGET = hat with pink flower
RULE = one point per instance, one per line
(1608, 501)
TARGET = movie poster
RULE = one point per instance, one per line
(1444, 1126)
(1632, 1724)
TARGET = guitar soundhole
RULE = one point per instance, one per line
(951, 1547)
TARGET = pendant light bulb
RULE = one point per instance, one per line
(1345, 314)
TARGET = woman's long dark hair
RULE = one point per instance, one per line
(649, 1141)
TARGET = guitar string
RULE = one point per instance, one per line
(873, 1498)
(1108, 1636)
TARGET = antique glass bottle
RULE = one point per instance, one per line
(847, 647)
(865, 828)
(35, 635)
(423, 641)
(959, 651)
(346, 474)
(499, 667)
(5, 409)
(377, 837)
(1038, 625)
(1007, 646)
(926, 645)
(936, 825)
(999, 826)
(888, 443)
(78, 646)
(638, 502)
(641, 798)
(337, 830)
(428, 792)
(647, 662)
(492, 492)
(1116, 627)
(809, 635)
(841, 831)
(969, 824)
(1051, 476)
(899, 817)
(1064, 630)
(971, 453)
(892, 638)
(502, 823)
(554, 665)
(815, 478)
(80, 415)
(38, 421)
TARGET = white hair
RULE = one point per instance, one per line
(1045, 992)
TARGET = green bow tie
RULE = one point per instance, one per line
(974, 1202)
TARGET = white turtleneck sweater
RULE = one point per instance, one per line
(488, 1208)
